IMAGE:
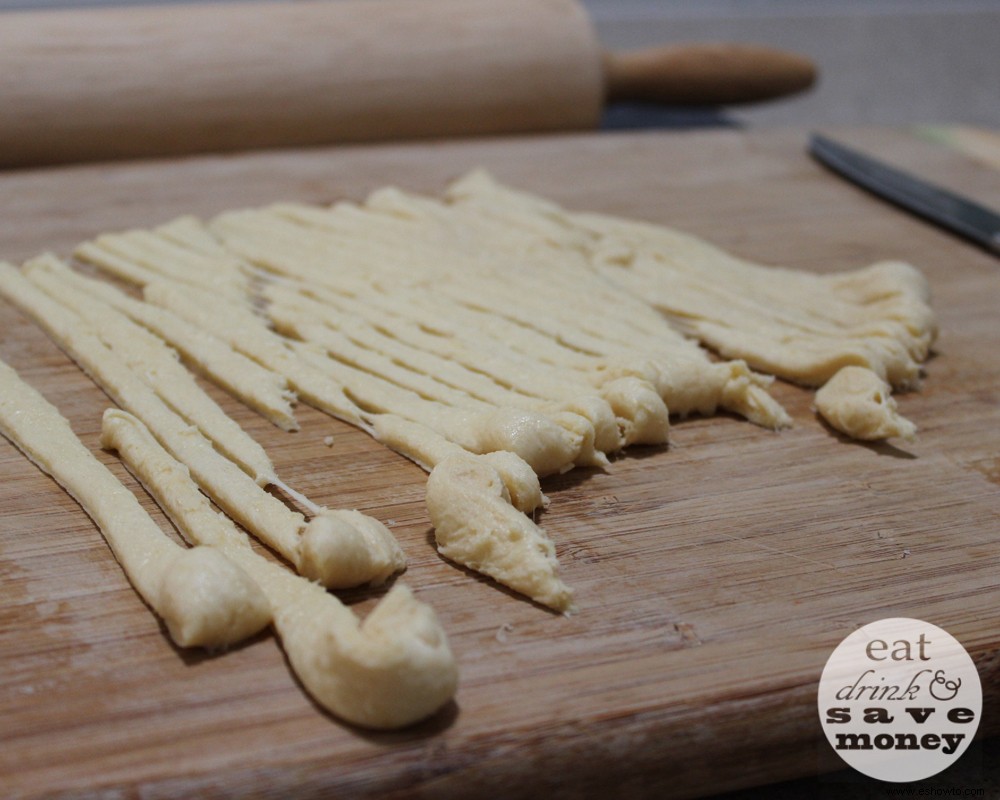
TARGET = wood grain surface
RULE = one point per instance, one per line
(713, 577)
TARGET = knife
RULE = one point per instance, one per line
(942, 207)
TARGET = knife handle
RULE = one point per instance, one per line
(705, 74)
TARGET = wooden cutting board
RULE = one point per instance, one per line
(713, 577)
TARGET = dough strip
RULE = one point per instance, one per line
(312, 547)
(203, 597)
(261, 389)
(391, 670)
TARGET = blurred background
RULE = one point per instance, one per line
(880, 62)
(884, 62)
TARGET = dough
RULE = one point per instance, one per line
(789, 323)
(157, 366)
(494, 321)
(858, 403)
(382, 319)
(302, 543)
(476, 524)
(261, 389)
(391, 670)
(204, 598)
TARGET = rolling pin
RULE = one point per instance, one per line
(107, 83)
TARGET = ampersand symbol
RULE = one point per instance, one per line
(952, 686)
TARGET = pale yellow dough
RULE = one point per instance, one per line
(858, 403)
(787, 322)
(204, 598)
(311, 546)
(390, 670)
(261, 389)
(495, 321)
(149, 358)
(476, 524)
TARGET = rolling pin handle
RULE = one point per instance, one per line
(705, 74)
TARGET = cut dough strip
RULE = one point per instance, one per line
(261, 389)
(421, 368)
(537, 577)
(294, 250)
(245, 333)
(157, 365)
(325, 383)
(497, 321)
(476, 367)
(857, 402)
(312, 547)
(485, 373)
(793, 324)
(476, 523)
(204, 598)
(536, 321)
(543, 442)
(148, 251)
(393, 669)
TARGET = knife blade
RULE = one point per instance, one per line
(958, 214)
